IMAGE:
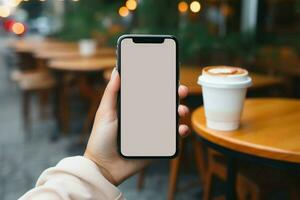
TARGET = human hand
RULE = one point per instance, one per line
(102, 144)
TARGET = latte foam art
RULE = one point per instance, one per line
(224, 71)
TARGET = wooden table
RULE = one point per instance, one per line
(79, 66)
(269, 133)
(54, 49)
(189, 76)
(63, 53)
(83, 64)
(32, 45)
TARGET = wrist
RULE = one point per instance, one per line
(105, 172)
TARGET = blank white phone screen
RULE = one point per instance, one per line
(148, 98)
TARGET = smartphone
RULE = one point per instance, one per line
(148, 97)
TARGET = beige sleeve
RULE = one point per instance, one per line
(71, 179)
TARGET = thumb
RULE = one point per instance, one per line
(109, 99)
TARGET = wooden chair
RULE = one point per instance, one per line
(251, 184)
(94, 97)
(30, 83)
(244, 187)
(32, 78)
(206, 171)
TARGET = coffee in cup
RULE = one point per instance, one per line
(224, 89)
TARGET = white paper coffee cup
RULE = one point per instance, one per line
(87, 47)
(224, 90)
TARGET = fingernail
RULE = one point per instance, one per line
(113, 73)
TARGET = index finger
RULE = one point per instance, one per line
(183, 91)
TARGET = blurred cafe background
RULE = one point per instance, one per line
(56, 57)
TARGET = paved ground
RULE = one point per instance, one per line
(22, 161)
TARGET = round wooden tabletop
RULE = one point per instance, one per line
(69, 52)
(270, 128)
(32, 46)
(83, 64)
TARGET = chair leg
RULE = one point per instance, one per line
(213, 169)
(141, 180)
(64, 109)
(250, 190)
(43, 101)
(208, 185)
(26, 114)
(294, 192)
(240, 193)
(174, 172)
(200, 160)
(245, 188)
(89, 120)
(222, 197)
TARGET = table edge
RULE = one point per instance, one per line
(282, 155)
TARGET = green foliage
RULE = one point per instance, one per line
(84, 17)
(194, 39)
(239, 44)
(160, 17)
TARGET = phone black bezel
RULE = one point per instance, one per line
(147, 39)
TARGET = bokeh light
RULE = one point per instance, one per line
(226, 10)
(18, 28)
(123, 11)
(14, 3)
(4, 11)
(8, 24)
(131, 4)
(195, 6)
(183, 6)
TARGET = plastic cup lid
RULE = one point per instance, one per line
(224, 77)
